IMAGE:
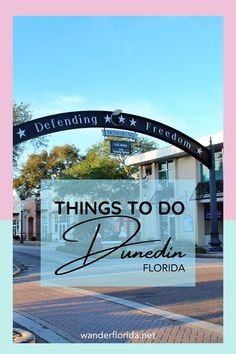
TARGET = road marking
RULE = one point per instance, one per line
(22, 336)
(106, 277)
(43, 329)
(16, 270)
(190, 321)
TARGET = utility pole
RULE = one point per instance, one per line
(215, 243)
(21, 226)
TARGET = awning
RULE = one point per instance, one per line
(202, 190)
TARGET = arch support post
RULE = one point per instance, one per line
(215, 243)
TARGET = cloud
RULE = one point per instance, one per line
(201, 120)
(53, 105)
(139, 107)
(69, 100)
(66, 103)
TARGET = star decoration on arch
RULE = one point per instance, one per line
(133, 122)
(121, 119)
(199, 151)
(21, 133)
(107, 119)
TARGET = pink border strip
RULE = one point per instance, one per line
(224, 8)
(117, 8)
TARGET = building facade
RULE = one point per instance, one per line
(169, 163)
(26, 218)
(164, 164)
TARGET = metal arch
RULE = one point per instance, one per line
(105, 119)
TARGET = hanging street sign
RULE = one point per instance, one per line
(120, 134)
(120, 147)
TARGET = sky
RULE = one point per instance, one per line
(169, 69)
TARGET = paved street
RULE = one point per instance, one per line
(122, 314)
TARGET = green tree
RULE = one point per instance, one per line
(141, 145)
(45, 165)
(22, 114)
(96, 166)
(99, 163)
(65, 163)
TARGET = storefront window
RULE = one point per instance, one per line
(168, 227)
(56, 223)
(219, 165)
(166, 170)
(44, 218)
(148, 170)
(62, 222)
(16, 226)
(218, 168)
(44, 225)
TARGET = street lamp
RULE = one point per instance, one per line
(116, 112)
(214, 241)
(21, 221)
(23, 213)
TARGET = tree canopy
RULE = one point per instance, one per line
(65, 162)
(22, 114)
(99, 163)
(45, 165)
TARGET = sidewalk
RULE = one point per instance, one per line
(27, 243)
(79, 317)
(198, 255)
(210, 255)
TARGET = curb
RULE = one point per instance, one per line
(153, 310)
(209, 255)
(43, 329)
(16, 270)
(27, 243)
(22, 336)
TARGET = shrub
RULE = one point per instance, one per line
(32, 238)
(200, 250)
